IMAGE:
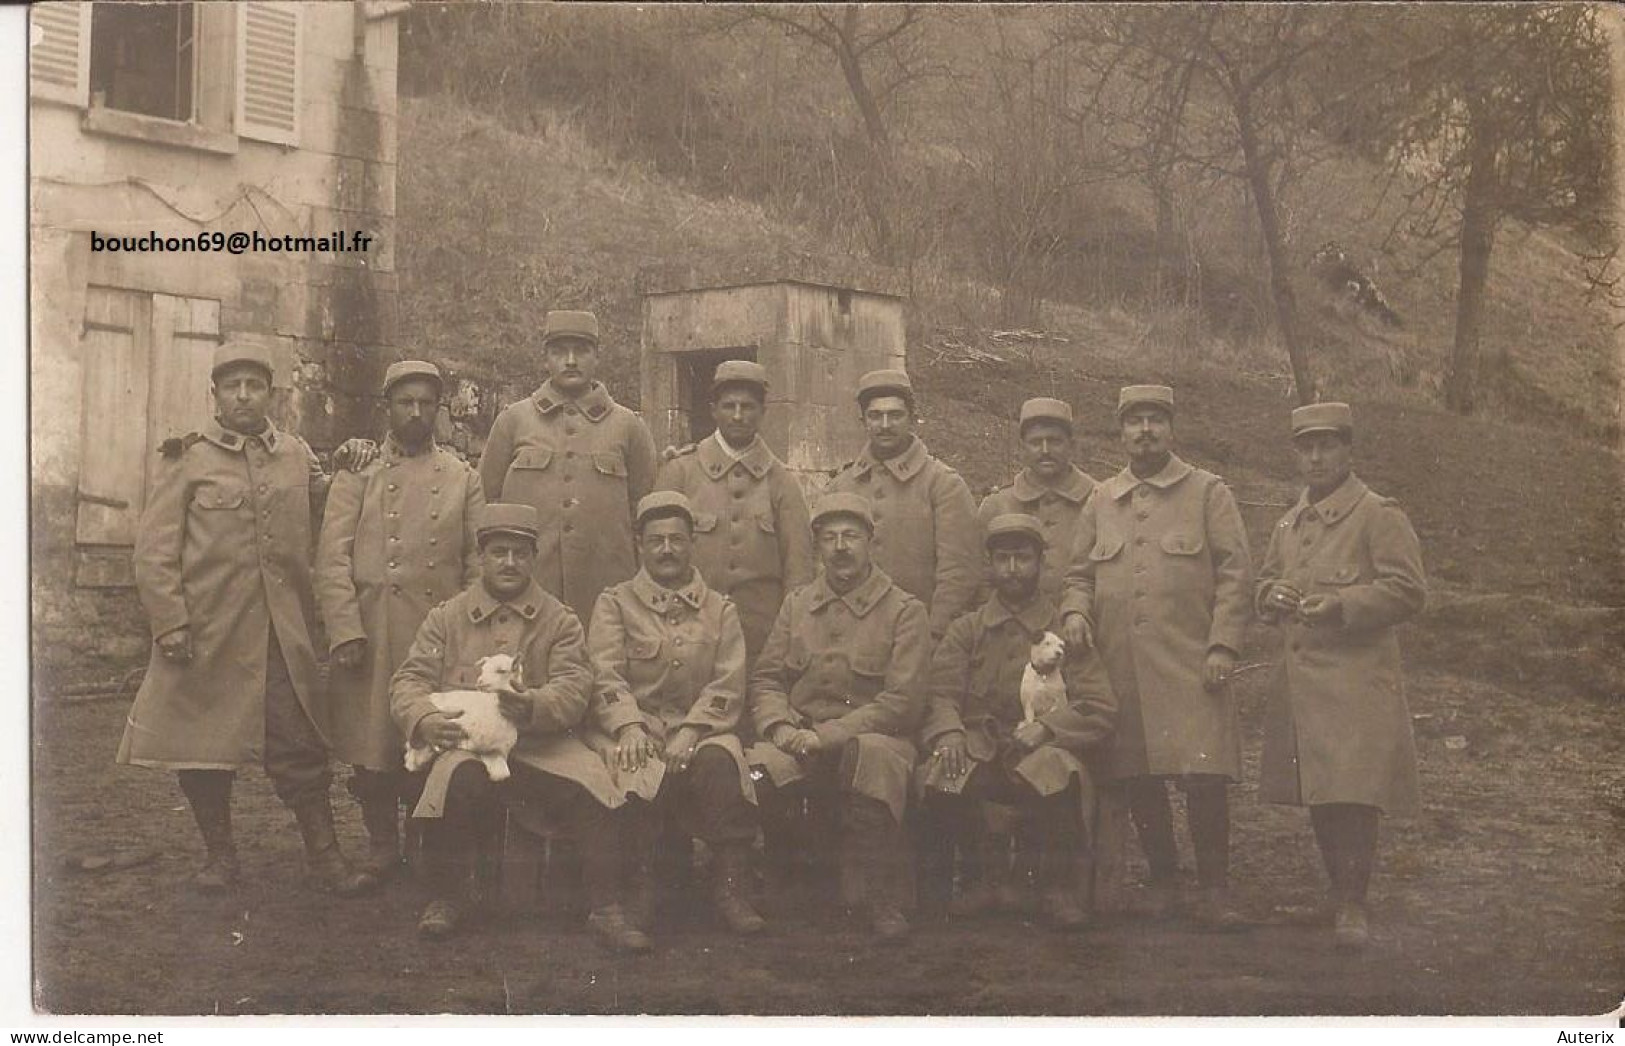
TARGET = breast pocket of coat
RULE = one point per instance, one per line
(1335, 579)
(868, 677)
(221, 510)
(609, 468)
(528, 475)
(644, 660)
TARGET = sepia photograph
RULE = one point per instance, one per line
(825, 510)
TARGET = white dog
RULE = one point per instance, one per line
(1042, 688)
(491, 735)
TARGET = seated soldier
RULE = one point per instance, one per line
(985, 748)
(668, 658)
(836, 693)
(555, 777)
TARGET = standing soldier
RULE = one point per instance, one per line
(925, 533)
(752, 541)
(837, 694)
(1161, 581)
(1050, 487)
(397, 539)
(577, 457)
(668, 694)
(1343, 568)
(222, 564)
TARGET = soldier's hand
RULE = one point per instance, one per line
(350, 654)
(176, 646)
(1216, 672)
(354, 455)
(440, 730)
(515, 707)
(1076, 632)
(635, 746)
(950, 754)
(1282, 598)
(680, 748)
(1030, 735)
(806, 744)
(1320, 610)
(782, 736)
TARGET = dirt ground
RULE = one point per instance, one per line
(1506, 896)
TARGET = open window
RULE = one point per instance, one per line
(198, 75)
(143, 59)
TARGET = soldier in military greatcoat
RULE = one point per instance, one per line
(580, 459)
(397, 538)
(752, 539)
(222, 566)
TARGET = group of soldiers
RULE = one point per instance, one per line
(703, 655)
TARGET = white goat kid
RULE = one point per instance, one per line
(490, 734)
(1042, 688)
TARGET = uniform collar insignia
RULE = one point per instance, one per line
(904, 466)
(716, 461)
(657, 597)
(483, 604)
(1334, 506)
(226, 439)
(595, 403)
(861, 599)
(1075, 487)
(1126, 480)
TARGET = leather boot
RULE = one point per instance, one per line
(610, 925)
(728, 872)
(1057, 862)
(209, 795)
(322, 855)
(380, 813)
(642, 852)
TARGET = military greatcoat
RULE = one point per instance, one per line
(398, 538)
(880, 636)
(926, 537)
(223, 549)
(752, 541)
(668, 658)
(583, 464)
(1338, 729)
(1160, 568)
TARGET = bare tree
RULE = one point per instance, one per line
(879, 50)
(1216, 90)
(1495, 112)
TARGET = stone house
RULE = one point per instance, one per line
(160, 127)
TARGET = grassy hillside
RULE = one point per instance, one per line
(497, 227)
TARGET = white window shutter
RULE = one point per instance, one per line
(59, 58)
(269, 66)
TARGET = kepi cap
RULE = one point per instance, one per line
(1010, 523)
(500, 518)
(1322, 417)
(878, 382)
(664, 502)
(1043, 408)
(843, 505)
(232, 353)
(1145, 395)
(570, 323)
(740, 372)
(405, 369)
